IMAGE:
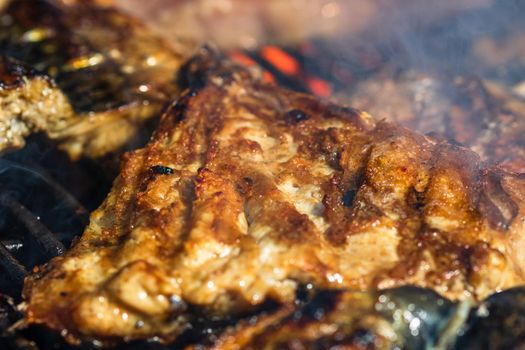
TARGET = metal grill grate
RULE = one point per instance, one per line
(44, 204)
(39, 211)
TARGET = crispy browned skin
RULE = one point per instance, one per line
(480, 115)
(247, 191)
(113, 71)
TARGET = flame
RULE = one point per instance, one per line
(280, 60)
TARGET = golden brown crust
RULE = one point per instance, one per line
(247, 191)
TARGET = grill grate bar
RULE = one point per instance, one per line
(44, 237)
(12, 244)
(15, 270)
(68, 199)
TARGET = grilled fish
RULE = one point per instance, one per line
(114, 74)
(248, 191)
(478, 114)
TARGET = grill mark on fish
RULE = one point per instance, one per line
(246, 217)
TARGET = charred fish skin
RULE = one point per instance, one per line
(113, 71)
(258, 201)
(13, 73)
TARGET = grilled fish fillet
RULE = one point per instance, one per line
(481, 115)
(114, 74)
(247, 191)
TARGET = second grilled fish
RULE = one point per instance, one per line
(114, 74)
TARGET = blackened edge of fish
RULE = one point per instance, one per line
(13, 73)
(209, 64)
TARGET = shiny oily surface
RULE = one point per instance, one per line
(247, 191)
